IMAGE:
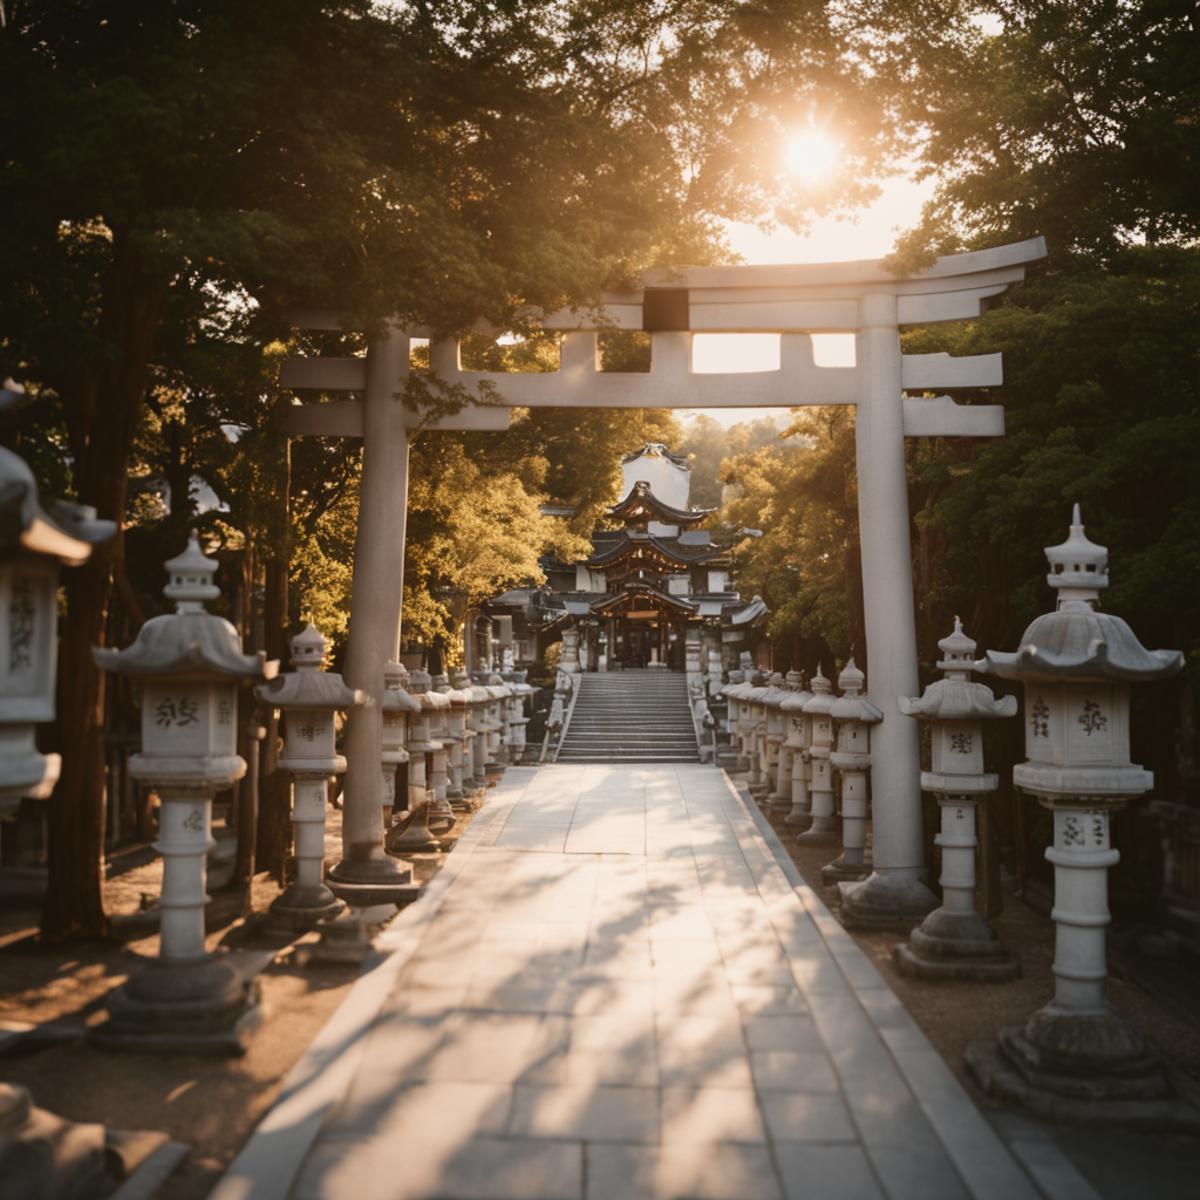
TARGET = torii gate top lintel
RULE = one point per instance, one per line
(793, 301)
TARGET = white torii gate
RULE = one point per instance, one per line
(793, 301)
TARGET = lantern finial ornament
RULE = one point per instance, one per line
(191, 578)
(1078, 567)
(958, 653)
(308, 648)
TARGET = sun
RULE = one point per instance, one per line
(812, 155)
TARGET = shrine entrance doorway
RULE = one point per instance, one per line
(895, 396)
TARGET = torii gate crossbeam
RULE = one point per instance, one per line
(793, 301)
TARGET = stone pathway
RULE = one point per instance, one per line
(614, 992)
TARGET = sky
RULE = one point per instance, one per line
(871, 234)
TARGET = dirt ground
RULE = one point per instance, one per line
(212, 1105)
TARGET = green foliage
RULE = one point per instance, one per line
(800, 494)
(1077, 119)
(707, 444)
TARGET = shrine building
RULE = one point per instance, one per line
(654, 585)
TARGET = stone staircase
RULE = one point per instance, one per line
(631, 717)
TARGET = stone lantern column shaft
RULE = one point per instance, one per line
(308, 828)
(375, 600)
(184, 841)
(854, 816)
(888, 606)
(1082, 855)
(957, 840)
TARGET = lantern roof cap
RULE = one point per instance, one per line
(1078, 566)
(188, 643)
(1076, 641)
(957, 697)
(60, 530)
(308, 686)
(853, 706)
(822, 689)
(396, 697)
(796, 702)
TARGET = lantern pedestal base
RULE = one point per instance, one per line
(182, 1006)
(885, 901)
(43, 1154)
(798, 817)
(1093, 1067)
(956, 946)
(380, 879)
(301, 907)
(346, 938)
(494, 772)
(841, 871)
(414, 837)
(820, 832)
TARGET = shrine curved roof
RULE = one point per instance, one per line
(678, 603)
(620, 542)
(640, 495)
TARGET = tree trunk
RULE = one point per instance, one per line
(102, 411)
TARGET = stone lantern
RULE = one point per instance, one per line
(853, 716)
(456, 739)
(189, 664)
(438, 703)
(1076, 1055)
(497, 694)
(773, 733)
(309, 698)
(33, 545)
(731, 693)
(798, 738)
(781, 791)
(752, 715)
(518, 716)
(478, 725)
(569, 659)
(821, 830)
(954, 941)
(416, 834)
(399, 709)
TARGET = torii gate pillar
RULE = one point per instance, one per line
(895, 891)
(375, 605)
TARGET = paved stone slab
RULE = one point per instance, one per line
(618, 989)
